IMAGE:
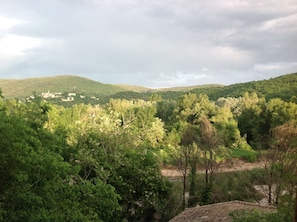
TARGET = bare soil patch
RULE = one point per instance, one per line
(231, 166)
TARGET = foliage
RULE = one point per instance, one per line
(280, 162)
(74, 164)
(256, 216)
(283, 87)
(229, 186)
(236, 186)
(38, 185)
(259, 118)
(244, 154)
(143, 190)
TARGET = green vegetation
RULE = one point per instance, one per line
(284, 214)
(247, 155)
(256, 216)
(26, 87)
(283, 87)
(91, 162)
(56, 167)
(228, 186)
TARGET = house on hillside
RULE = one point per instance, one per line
(68, 99)
(219, 212)
(48, 95)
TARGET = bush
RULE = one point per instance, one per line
(256, 216)
(247, 155)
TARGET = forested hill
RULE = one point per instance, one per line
(284, 87)
(25, 87)
(13, 88)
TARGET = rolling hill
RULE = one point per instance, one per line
(26, 87)
(12, 88)
(284, 87)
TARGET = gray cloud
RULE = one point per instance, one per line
(152, 43)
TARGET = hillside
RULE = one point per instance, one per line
(23, 88)
(26, 87)
(188, 88)
(133, 88)
(284, 87)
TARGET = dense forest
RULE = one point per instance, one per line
(102, 162)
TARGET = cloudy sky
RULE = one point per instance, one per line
(153, 43)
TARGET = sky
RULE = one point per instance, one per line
(152, 43)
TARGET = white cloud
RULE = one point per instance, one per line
(15, 45)
(275, 66)
(7, 23)
(151, 43)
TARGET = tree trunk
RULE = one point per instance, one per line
(269, 194)
(193, 176)
(184, 190)
(185, 181)
(206, 167)
(193, 185)
(295, 217)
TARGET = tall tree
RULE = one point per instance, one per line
(189, 143)
(281, 165)
(209, 143)
(285, 139)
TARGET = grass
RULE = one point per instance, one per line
(247, 155)
(228, 186)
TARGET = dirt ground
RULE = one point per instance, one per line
(235, 165)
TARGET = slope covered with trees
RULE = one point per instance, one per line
(284, 87)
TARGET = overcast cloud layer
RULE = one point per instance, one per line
(151, 43)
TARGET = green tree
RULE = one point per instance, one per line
(285, 141)
(138, 180)
(250, 123)
(209, 143)
(226, 126)
(115, 145)
(235, 105)
(189, 143)
(165, 111)
(38, 185)
(257, 121)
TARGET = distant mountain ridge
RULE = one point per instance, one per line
(22, 88)
(284, 87)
